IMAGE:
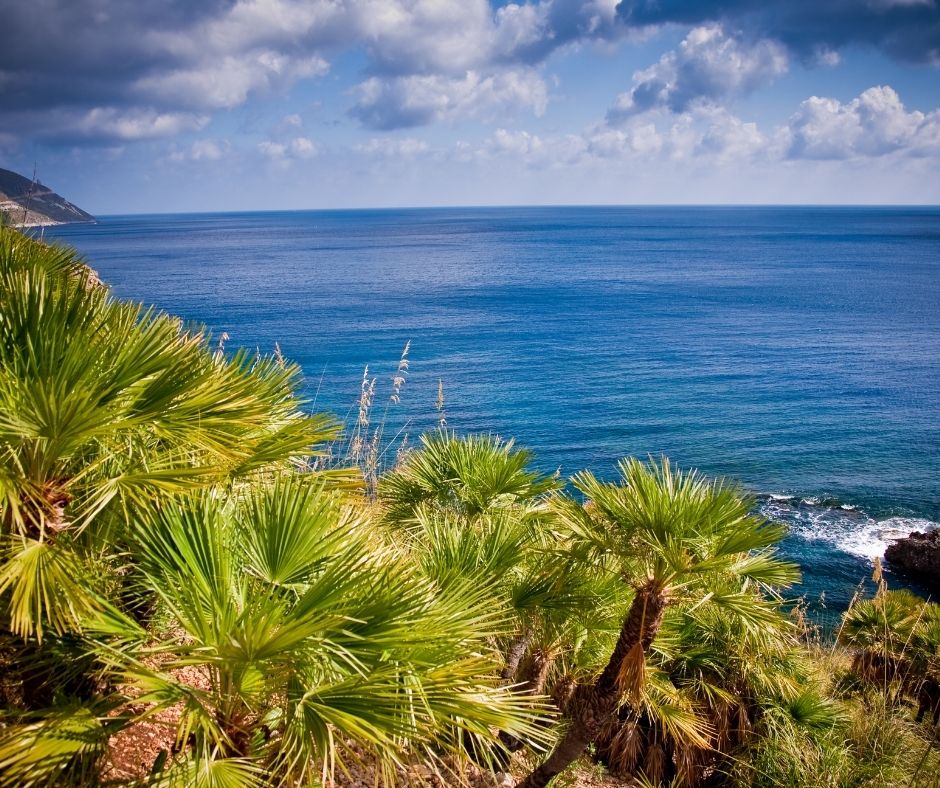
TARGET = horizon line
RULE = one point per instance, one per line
(506, 206)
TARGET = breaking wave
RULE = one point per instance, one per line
(843, 525)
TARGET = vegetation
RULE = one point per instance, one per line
(198, 586)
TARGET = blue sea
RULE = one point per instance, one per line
(796, 350)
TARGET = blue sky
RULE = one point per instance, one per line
(189, 105)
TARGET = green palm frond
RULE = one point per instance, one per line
(886, 623)
(469, 476)
(674, 712)
(210, 771)
(284, 605)
(107, 407)
(289, 532)
(675, 527)
(45, 583)
(19, 252)
(61, 748)
(810, 710)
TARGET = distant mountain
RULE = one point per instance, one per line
(26, 203)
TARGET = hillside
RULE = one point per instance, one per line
(24, 203)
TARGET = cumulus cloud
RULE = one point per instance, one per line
(533, 150)
(296, 148)
(875, 123)
(454, 36)
(116, 125)
(904, 29)
(641, 139)
(709, 66)
(728, 138)
(227, 82)
(393, 148)
(706, 135)
(92, 71)
(202, 150)
(416, 100)
(208, 150)
(165, 58)
(449, 59)
(176, 56)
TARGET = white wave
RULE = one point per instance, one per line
(844, 527)
(869, 540)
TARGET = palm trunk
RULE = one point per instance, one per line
(594, 705)
(563, 692)
(534, 671)
(516, 652)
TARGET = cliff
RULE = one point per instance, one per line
(26, 203)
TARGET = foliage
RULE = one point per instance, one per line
(469, 476)
(104, 408)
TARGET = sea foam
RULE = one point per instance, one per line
(845, 526)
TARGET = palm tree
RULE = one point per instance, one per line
(469, 476)
(473, 506)
(105, 405)
(713, 687)
(292, 644)
(671, 535)
(895, 638)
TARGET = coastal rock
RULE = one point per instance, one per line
(917, 555)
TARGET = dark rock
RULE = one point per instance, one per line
(917, 555)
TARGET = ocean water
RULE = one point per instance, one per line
(796, 350)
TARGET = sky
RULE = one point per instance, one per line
(223, 105)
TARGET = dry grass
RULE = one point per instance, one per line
(366, 445)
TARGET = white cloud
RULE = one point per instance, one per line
(451, 37)
(425, 36)
(134, 124)
(429, 60)
(707, 67)
(296, 148)
(873, 124)
(203, 150)
(273, 150)
(641, 139)
(827, 58)
(519, 143)
(287, 26)
(228, 82)
(392, 148)
(726, 137)
(707, 135)
(417, 100)
(303, 148)
(535, 151)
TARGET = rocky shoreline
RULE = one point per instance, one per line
(918, 556)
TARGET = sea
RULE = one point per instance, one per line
(793, 349)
